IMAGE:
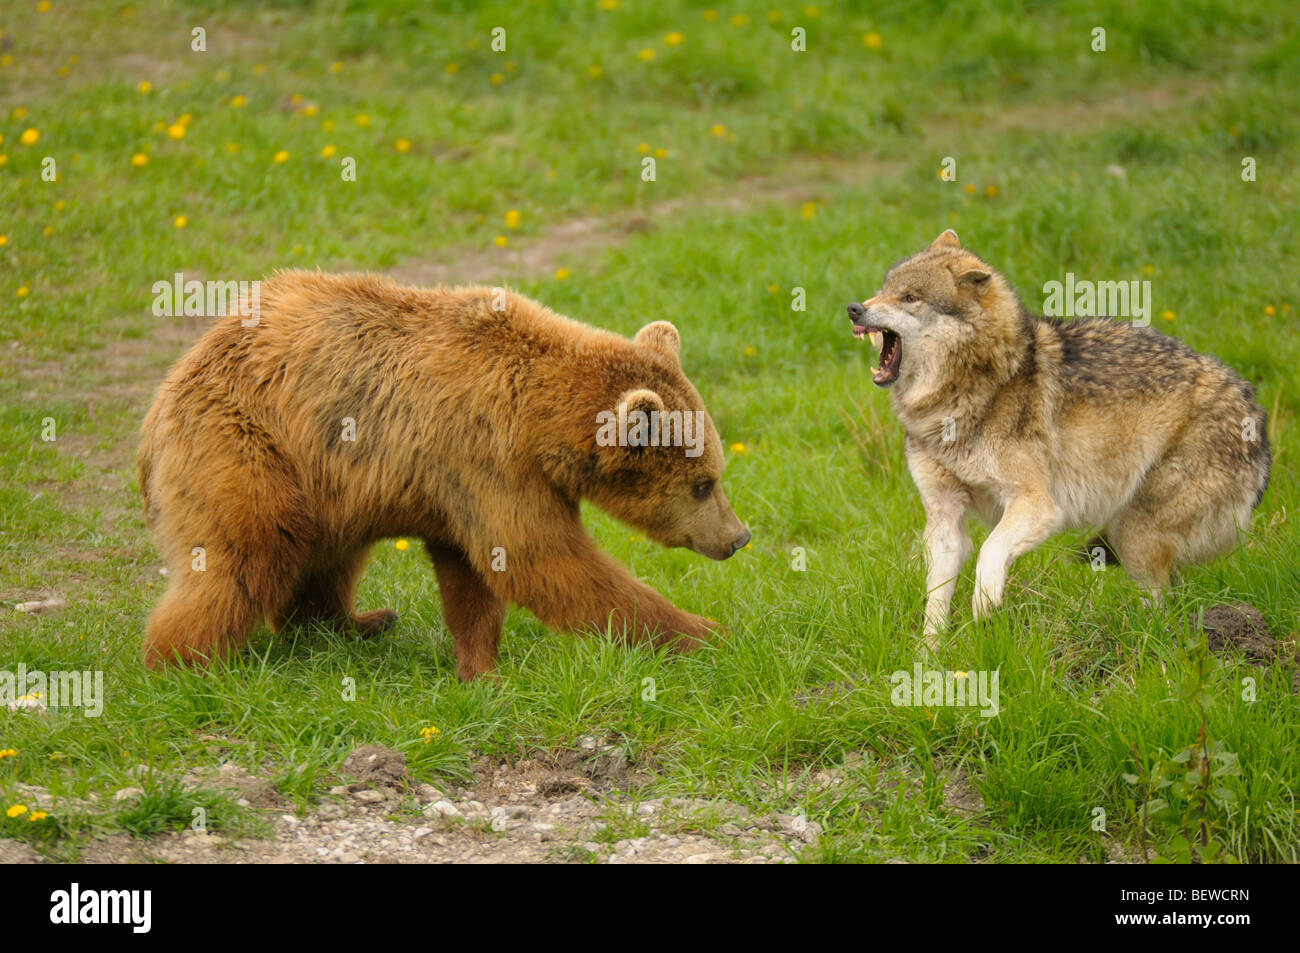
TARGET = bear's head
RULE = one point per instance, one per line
(658, 459)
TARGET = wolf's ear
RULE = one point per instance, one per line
(948, 239)
(977, 278)
(660, 336)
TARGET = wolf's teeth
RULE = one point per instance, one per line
(875, 371)
(877, 340)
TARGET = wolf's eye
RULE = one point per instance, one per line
(909, 298)
(702, 490)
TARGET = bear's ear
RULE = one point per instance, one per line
(948, 239)
(641, 399)
(660, 336)
(645, 401)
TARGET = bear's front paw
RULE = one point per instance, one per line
(373, 622)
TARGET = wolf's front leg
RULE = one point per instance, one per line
(1026, 521)
(947, 545)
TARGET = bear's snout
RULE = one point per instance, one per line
(740, 542)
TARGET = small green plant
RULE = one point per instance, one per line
(1184, 793)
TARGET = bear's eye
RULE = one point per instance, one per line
(702, 490)
(909, 298)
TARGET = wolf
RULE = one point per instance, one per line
(1039, 426)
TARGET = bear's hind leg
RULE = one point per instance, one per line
(473, 613)
(327, 596)
(203, 616)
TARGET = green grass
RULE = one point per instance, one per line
(830, 159)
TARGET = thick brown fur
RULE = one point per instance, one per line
(1040, 425)
(475, 430)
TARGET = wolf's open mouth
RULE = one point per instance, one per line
(891, 353)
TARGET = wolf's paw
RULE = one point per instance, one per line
(373, 622)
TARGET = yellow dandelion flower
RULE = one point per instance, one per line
(8, 752)
(432, 733)
(873, 41)
(609, 4)
(362, 120)
(642, 148)
(16, 811)
(29, 137)
(561, 274)
(751, 351)
(510, 66)
(451, 69)
(259, 69)
(991, 191)
(710, 15)
(176, 131)
(496, 79)
(144, 86)
(674, 39)
(23, 291)
(401, 545)
(1166, 315)
(327, 125)
(4, 159)
(718, 129)
(512, 218)
(37, 816)
(500, 241)
(186, 119)
(139, 159)
(310, 110)
(739, 19)
(297, 249)
(1148, 269)
(232, 147)
(661, 153)
(328, 151)
(6, 60)
(160, 126)
(336, 67)
(594, 72)
(774, 288)
(646, 55)
(281, 157)
(812, 13)
(180, 221)
(970, 189)
(47, 231)
(402, 145)
(295, 99)
(1270, 310)
(239, 102)
(43, 6)
(19, 113)
(738, 448)
(808, 209)
(774, 16)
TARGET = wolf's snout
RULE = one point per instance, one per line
(857, 313)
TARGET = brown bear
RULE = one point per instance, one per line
(347, 409)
